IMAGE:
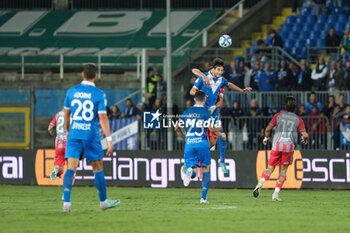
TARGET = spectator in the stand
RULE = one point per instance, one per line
(322, 130)
(160, 88)
(332, 40)
(158, 105)
(151, 82)
(312, 126)
(234, 76)
(329, 108)
(304, 82)
(235, 112)
(319, 75)
(189, 103)
(267, 78)
(340, 76)
(256, 72)
(188, 96)
(294, 7)
(284, 77)
(319, 5)
(130, 110)
(340, 66)
(345, 42)
(141, 108)
(335, 122)
(276, 39)
(254, 104)
(302, 112)
(347, 75)
(249, 79)
(253, 127)
(335, 78)
(115, 113)
(294, 73)
(240, 67)
(312, 101)
(341, 102)
(261, 53)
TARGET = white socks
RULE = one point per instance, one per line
(277, 191)
(262, 181)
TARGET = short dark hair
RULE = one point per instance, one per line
(247, 64)
(272, 31)
(90, 70)
(200, 96)
(149, 70)
(290, 104)
(218, 62)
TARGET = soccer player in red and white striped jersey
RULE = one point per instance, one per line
(287, 125)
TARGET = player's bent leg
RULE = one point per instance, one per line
(101, 186)
(68, 182)
(205, 184)
(212, 142)
(279, 183)
(54, 172)
(265, 176)
(190, 174)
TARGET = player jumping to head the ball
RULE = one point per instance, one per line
(211, 83)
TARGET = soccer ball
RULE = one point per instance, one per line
(225, 41)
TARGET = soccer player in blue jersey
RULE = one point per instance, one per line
(196, 120)
(87, 105)
(211, 82)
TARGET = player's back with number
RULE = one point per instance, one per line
(194, 120)
(85, 102)
(287, 126)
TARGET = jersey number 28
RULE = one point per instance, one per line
(84, 110)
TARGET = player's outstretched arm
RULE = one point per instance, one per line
(304, 137)
(178, 131)
(236, 88)
(104, 122)
(67, 120)
(267, 135)
(193, 91)
(199, 73)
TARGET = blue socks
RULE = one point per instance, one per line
(67, 184)
(222, 147)
(100, 184)
(205, 184)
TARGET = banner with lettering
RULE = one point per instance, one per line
(124, 134)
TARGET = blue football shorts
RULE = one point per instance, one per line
(193, 155)
(92, 149)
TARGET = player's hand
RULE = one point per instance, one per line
(223, 136)
(266, 139)
(109, 148)
(206, 81)
(304, 140)
(247, 89)
(212, 109)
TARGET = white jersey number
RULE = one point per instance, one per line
(60, 123)
(198, 134)
(84, 110)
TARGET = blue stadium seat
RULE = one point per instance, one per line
(293, 35)
(296, 28)
(311, 19)
(339, 28)
(327, 27)
(342, 19)
(320, 43)
(332, 19)
(284, 34)
(310, 43)
(347, 26)
(289, 44)
(323, 34)
(329, 4)
(336, 10)
(300, 19)
(286, 27)
(303, 35)
(318, 27)
(307, 27)
(290, 19)
(313, 35)
(322, 19)
(300, 43)
(304, 11)
(295, 52)
(303, 53)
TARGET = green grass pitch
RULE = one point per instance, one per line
(38, 209)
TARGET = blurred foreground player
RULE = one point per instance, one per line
(288, 125)
(196, 119)
(87, 105)
(56, 128)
